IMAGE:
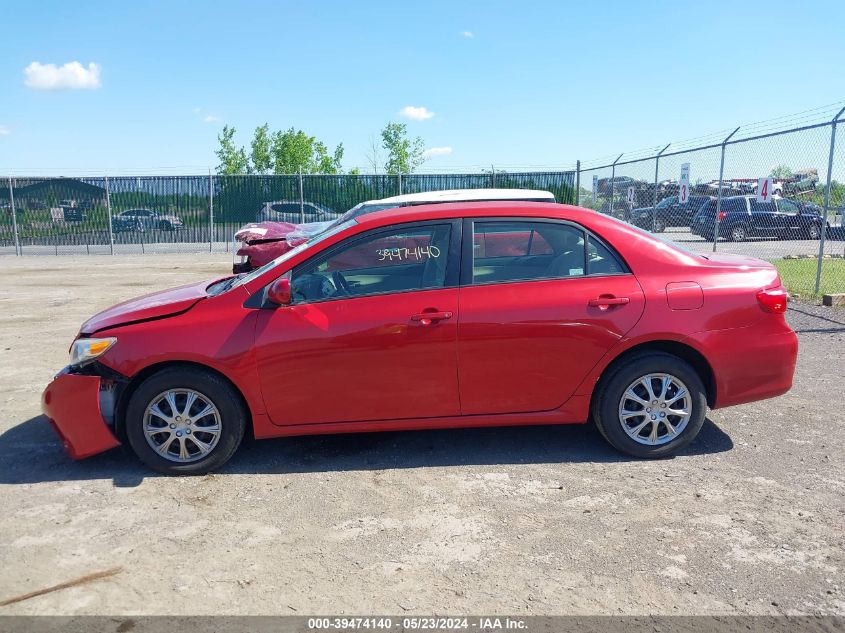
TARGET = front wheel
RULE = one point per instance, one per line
(651, 405)
(659, 225)
(185, 421)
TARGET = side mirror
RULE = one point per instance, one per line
(279, 291)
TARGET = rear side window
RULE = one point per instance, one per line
(523, 251)
(762, 207)
(734, 205)
(601, 260)
(506, 251)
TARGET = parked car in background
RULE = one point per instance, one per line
(71, 211)
(743, 217)
(141, 220)
(292, 211)
(259, 243)
(804, 181)
(618, 185)
(668, 212)
(435, 316)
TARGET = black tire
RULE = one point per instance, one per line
(814, 232)
(615, 382)
(165, 226)
(659, 225)
(233, 418)
(738, 233)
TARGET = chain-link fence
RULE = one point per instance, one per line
(130, 214)
(773, 195)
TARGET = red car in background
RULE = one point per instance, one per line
(452, 315)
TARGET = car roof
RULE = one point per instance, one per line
(500, 208)
(465, 195)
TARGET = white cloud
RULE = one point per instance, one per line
(431, 152)
(416, 113)
(210, 118)
(468, 34)
(70, 76)
(4, 131)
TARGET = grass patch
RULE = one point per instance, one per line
(799, 276)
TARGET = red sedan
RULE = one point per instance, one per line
(451, 315)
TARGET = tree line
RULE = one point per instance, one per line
(293, 151)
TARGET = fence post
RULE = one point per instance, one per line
(577, 183)
(108, 214)
(210, 211)
(301, 201)
(654, 203)
(719, 193)
(493, 172)
(400, 183)
(613, 183)
(18, 247)
(827, 199)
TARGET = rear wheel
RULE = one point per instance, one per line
(651, 405)
(814, 232)
(659, 225)
(738, 233)
(185, 421)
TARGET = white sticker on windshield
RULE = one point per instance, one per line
(576, 271)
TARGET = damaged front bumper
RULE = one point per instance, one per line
(80, 406)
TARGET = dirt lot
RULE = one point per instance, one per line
(527, 521)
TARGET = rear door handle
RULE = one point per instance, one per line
(427, 318)
(602, 303)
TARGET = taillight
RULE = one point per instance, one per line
(773, 300)
(722, 215)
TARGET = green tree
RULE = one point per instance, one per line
(781, 172)
(294, 151)
(233, 160)
(403, 154)
(261, 154)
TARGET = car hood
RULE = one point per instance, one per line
(264, 231)
(153, 306)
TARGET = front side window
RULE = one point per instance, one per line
(398, 260)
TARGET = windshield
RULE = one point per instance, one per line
(239, 280)
(666, 202)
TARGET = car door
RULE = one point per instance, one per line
(789, 220)
(371, 332)
(533, 323)
(765, 220)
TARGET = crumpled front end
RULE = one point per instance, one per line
(72, 404)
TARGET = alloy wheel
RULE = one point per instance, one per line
(655, 409)
(182, 425)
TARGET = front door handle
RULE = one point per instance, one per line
(427, 318)
(603, 303)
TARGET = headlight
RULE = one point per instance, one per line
(85, 350)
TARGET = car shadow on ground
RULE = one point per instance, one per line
(31, 453)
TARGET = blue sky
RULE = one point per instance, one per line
(513, 84)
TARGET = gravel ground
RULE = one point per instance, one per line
(543, 520)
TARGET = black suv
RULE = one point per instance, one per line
(742, 217)
(668, 212)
